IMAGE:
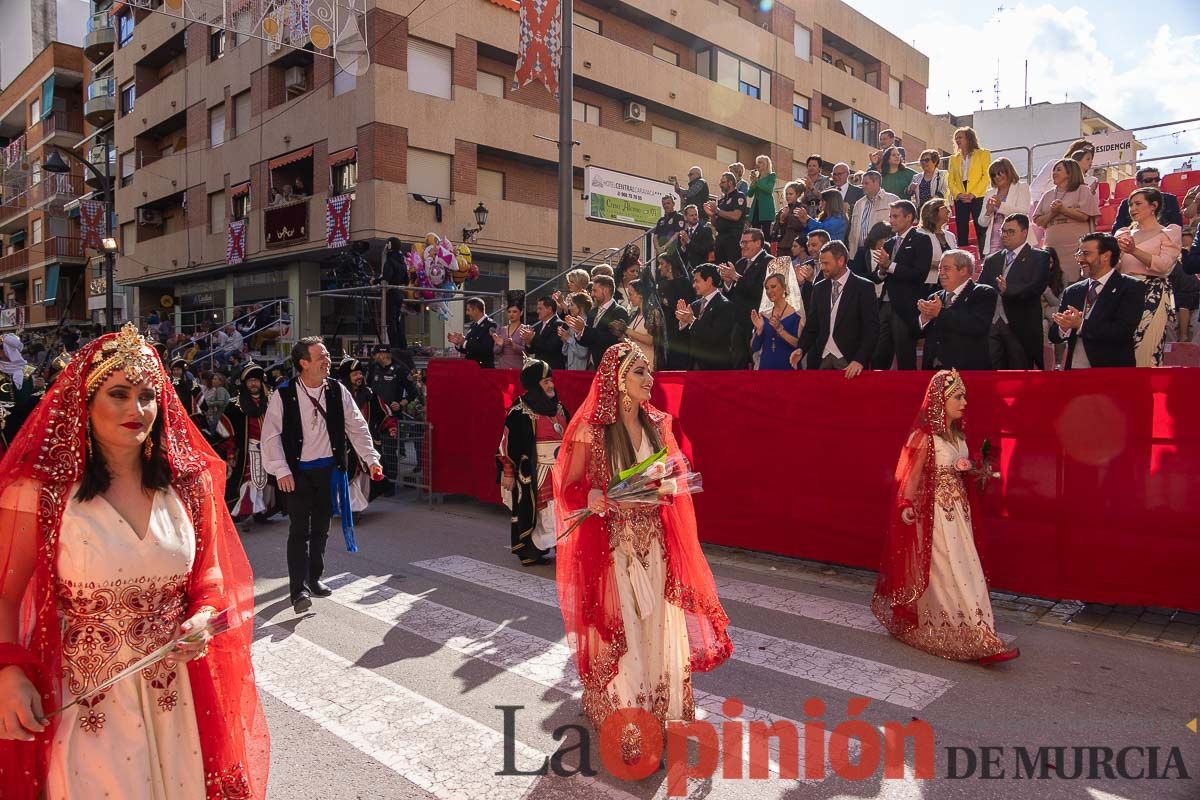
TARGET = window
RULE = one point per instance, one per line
(864, 129)
(731, 71)
(587, 23)
(800, 110)
(128, 162)
(216, 43)
(241, 201)
(489, 183)
(726, 155)
(39, 290)
(124, 28)
(664, 136)
(35, 235)
(343, 177)
(35, 171)
(216, 126)
(241, 113)
(35, 110)
(128, 98)
(487, 83)
(343, 82)
(428, 173)
(733, 8)
(428, 68)
(802, 39)
(585, 112)
(663, 54)
(894, 91)
(216, 212)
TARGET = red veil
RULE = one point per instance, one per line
(50, 450)
(904, 568)
(587, 589)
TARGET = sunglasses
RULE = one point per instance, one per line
(1151, 180)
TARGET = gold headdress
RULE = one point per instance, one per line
(954, 383)
(635, 352)
(127, 352)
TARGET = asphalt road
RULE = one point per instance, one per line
(390, 689)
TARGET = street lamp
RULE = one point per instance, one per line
(55, 163)
(481, 215)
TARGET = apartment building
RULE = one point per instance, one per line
(212, 127)
(43, 277)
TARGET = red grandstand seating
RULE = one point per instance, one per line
(1178, 183)
(1124, 189)
(1105, 192)
(1181, 354)
(973, 250)
(1108, 215)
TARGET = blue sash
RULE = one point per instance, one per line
(339, 493)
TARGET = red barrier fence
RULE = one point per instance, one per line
(1098, 498)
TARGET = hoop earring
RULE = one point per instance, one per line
(148, 448)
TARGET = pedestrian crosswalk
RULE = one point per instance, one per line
(451, 746)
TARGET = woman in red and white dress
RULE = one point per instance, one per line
(114, 539)
(637, 597)
(931, 593)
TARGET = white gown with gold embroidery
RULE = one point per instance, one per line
(121, 598)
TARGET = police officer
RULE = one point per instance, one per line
(666, 231)
(729, 219)
(389, 381)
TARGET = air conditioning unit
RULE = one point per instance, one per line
(295, 80)
(634, 112)
(149, 216)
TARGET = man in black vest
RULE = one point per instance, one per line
(305, 434)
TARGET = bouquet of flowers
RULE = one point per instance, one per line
(982, 468)
(652, 482)
(217, 624)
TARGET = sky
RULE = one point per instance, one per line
(1136, 69)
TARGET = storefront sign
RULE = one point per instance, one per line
(623, 199)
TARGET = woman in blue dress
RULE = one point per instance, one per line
(777, 332)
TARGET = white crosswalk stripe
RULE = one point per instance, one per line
(539, 660)
(860, 676)
(450, 755)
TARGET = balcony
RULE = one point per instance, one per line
(286, 224)
(59, 122)
(96, 158)
(14, 262)
(100, 39)
(59, 248)
(101, 103)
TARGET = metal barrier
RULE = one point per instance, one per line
(407, 459)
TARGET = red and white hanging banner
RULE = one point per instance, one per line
(337, 220)
(235, 247)
(539, 47)
(91, 223)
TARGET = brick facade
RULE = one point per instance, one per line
(463, 175)
(387, 38)
(465, 62)
(529, 183)
(382, 153)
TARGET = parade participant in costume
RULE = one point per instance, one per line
(308, 424)
(18, 395)
(533, 432)
(380, 423)
(111, 544)
(186, 385)
(931, 593)
(638, 600)
(251, 490)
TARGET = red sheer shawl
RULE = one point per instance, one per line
(50, 450)
(587, 589)
(904, 567)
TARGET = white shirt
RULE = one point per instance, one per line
(843, 188)
(896, 248)
(600, 311)
(234, 343)
(1079, 359)
(316, 441)
(953, 298)
(831, 348)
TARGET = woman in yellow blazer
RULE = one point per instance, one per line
(968, 181)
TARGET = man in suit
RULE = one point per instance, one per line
(958, 318)
(598, 333)
(842, 321)
(695, 240)
(542, 340)
(743, 285)
(874, 206)
(902, 264)
(707, 324)
(1111, 304)
(477, 344)
(1169, 214)
(1020, 274)
(840, 178)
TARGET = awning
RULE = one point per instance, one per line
(17, 237)
(511, 5)
(48, 97)
(343, 156)
(51, 285)
(290, 158)
(239, 189)
(116, 8)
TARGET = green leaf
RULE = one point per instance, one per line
(638, 469)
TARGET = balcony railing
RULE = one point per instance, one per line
(101, 103)
(286, 223)
(14, 261)
(63, 247)
(101, 37)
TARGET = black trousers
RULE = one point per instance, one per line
(395, 319)
(728, 248)
(895, 339)
(309, 509)
(965, 214)
(1005, 349)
